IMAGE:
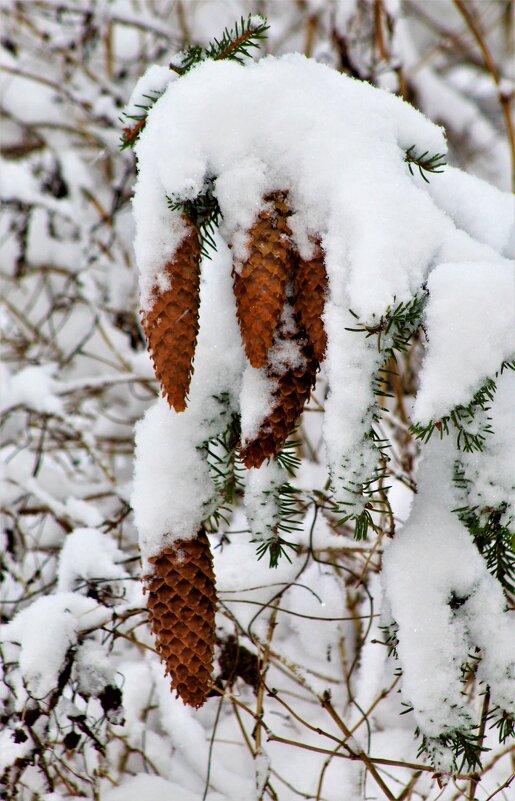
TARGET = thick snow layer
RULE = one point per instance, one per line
(491, 474)
(45, 631)
(33, 387)
(88, 554)
(469, 323)
(337, 146)
(335, 143)
(150, 85)
(481, 210)
(173, 490)
(431, 563)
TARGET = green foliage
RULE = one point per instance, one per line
(470, 423)
(131, 133)
(363, 500)
(396, 326)
(287, 457)
(465, 746)
(234, 45)
(203, 212)
(491, 532)
(283, 498)
(504, 722)
(226, 470)
(424, 162)
(276, 547)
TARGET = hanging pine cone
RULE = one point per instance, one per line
(292, 388)
(171, 325)
(260, 287)
(310, 286)
(182, 604)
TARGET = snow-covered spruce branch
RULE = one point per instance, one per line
(68, 290)
(356, 449)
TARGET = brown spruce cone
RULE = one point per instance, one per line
(310, 283)
(171, 325)
(260, 287)
(292, 390)
(182, 604)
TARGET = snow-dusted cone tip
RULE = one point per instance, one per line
(310, 283)
(171, 325)
(182, 605)
(292, 387)
(260, 286)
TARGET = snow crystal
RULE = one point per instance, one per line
(469, 322)
(256, 401)
(491, 473)
(262, 765)
(94, 671)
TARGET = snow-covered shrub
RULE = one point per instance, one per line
(307, 699)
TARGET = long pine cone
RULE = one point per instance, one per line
(182, 605)
(260, 287)
(171, 325)
(292, 388)
(310, 287)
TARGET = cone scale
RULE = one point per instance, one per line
(291, 390)
(182, 604)
(260, 286)
(310, 281)
(171, 324)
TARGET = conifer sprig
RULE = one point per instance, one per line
(493, 537)
(236, 42)
(396, 326)
(130, 133)
(276, 547)
(504, 723)
(464, 745)
(287, 518)
(234, 45)
(363, 500)
(287, 457)
(203, 212)
(470, 422)
(424, 161)
(225, 468)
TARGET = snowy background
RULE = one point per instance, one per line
(86, 711)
